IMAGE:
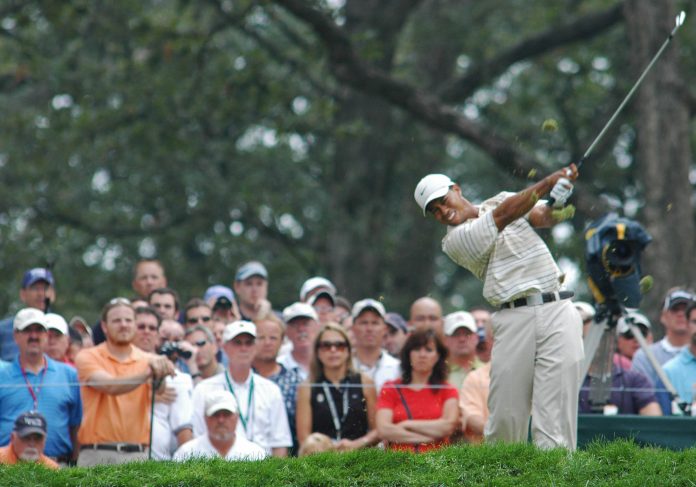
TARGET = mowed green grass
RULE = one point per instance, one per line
(620, 463)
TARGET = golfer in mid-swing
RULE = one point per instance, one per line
(537, 350)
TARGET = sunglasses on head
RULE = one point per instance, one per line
(120, 301)
(340, 345)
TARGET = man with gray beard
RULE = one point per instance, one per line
(27, 441)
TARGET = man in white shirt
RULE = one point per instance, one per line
(262, 416)
(171, 426)
(220, 440)
(369, 330)
(538, 342)
(301, 328)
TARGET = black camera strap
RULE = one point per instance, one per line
(408, 410)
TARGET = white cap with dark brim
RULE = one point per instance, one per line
(27, 317)
(236, 328)
(368, 304)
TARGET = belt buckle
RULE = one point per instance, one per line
(535, 299)
(118, 447)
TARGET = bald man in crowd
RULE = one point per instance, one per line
(426, 313)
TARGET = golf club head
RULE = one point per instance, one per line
(680, 19)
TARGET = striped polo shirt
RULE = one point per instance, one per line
(512, 264)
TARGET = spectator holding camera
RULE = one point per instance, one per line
(171, 426)
(117, 391)
(419, 411)
(336, 400)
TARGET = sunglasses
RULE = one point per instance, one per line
(204, 319)
(201, 343)
(629, 334)
(340, 346)
(147, 327)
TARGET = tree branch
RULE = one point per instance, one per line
(579, 29)
(348, 68)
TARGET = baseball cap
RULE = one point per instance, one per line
(313, 283)
(676, 297)
(250, 269)
(28, 423)
(637, 317)
(29, 316)
(237, 328)
(365, 304)
(299, 310)
(586, 310)
(395, 320)
(80, 324)
(35, 275)
(220, 400)
(459, 319)
(56, 322)
(431, 187)
(322, 294)
(218, 295)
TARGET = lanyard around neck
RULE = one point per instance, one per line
(245, 420)
(338, 423)
(30, 387)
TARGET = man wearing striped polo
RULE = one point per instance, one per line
(538, 350)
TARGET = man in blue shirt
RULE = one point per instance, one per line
(34, 381)
(681, 370)
(673, 318)
(37, 288)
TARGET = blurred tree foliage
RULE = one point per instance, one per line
(293, 132)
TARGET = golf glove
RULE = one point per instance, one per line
(561, 192)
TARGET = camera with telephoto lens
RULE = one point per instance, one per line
(613, 247)
(172, 351)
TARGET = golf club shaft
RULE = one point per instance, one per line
(679, 22)
(628, 96)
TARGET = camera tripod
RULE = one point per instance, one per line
(600, 345)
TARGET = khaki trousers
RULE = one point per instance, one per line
(536, 368)
(90, 458)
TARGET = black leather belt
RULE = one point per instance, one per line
(537, 299)
(117, 447)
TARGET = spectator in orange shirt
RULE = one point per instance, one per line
(117, 393)
(27, 441)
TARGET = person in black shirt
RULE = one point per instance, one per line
(336, 401)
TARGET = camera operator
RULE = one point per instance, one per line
(171, 426)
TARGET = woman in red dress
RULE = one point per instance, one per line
(419, 411)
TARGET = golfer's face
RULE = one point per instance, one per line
(448, 210)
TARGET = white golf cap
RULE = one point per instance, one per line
(299, 310)
(220, 400)
(27, 317)
(236, 328)
(431, 187)
(637, 317)
(314, 283)
(368, 304)
(459, 319)
(56, 322)
(587, 311)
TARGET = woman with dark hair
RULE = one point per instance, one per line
(419, 411)
(336, 401)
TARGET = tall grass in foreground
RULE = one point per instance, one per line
(617, 463)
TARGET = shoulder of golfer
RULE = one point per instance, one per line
(521, 203)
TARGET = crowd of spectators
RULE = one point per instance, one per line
(228, 375)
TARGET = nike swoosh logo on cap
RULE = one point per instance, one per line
(422, 191)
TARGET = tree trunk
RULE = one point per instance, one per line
(663, 151)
